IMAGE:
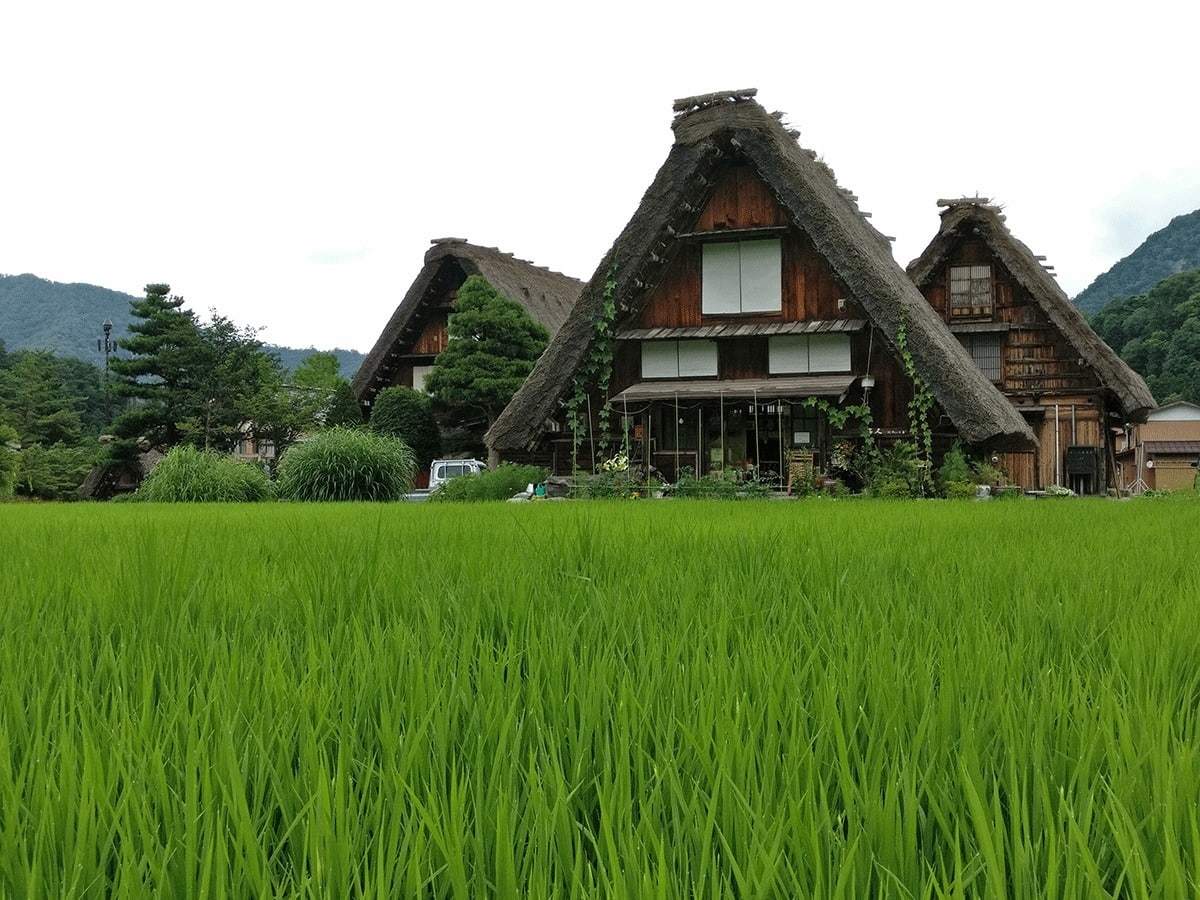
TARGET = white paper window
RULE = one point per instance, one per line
(802, 354)
(697, 359)
(420, 373)
(721, 286)
(829, 353)
(679, 359)
(660, 359)
(788, 353)
(741, 277)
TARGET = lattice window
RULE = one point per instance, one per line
(970, 288)
(985, 350)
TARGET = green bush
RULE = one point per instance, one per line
(403, 413)
(495, 484)
(727, 485)
(53, 473)
(346, 464)
(958, 490)
(621, 484)
(898, 473)
(10, 443)
(188, 475)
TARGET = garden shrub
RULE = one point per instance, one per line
(959, 474)
(188, 475)
(727, 485)
(403, 413)
(897, 474)
(613, 485)
(955, 480)
(54, 472)
(346, 464)
(493, 484)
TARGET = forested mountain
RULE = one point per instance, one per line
(1174, 249)
(66, 319)
(1158, 334)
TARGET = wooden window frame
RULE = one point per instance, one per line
(977, 299)
(985, 349)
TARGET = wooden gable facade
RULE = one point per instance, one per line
(416, 332)
(1004, 306)
(751, 406)
(753, 301)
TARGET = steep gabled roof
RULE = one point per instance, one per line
(976, 218)
(720, 126)
(547, 295)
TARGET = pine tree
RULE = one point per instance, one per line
(160, 369)
(492, 346)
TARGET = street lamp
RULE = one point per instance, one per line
(109, 347)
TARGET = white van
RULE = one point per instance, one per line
(442, 470)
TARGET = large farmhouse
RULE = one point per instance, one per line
(747, 301)
(416, 332)
(1005, 307)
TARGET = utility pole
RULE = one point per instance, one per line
(109, 347)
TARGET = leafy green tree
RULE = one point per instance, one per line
(318, 371)
(1158, 334)
(198, 383)
(54, 472)
(407, 414)
(10, 446)
(329, 394)
(343, 410)
(492, 346)
(35, 399)
(84, 383)
(237, 374)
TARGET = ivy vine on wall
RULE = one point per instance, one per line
(919, 407)
(594, 373)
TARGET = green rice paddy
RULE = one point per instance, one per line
(644, 699)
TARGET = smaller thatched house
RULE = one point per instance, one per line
(120, 476)
(748, 303)
(416, 332)
(1001, 302)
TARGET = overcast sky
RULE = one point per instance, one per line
(288, 163)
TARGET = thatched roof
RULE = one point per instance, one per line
(732, 125)
(977, 218)
(547, 295)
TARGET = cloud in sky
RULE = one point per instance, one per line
(289, 163)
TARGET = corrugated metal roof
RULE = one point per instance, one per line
(1165, 447)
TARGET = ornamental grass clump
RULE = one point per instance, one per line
(346, 464)
(188, 475)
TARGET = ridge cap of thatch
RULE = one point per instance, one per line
(686, 106)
